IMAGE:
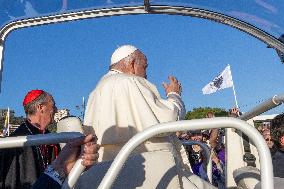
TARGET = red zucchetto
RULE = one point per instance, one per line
(31, 95)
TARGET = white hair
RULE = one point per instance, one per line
(133, 56)
(127, 60)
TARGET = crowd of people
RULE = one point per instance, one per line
(214, 141)
(272, 132)
(123, 104)
(277, 133)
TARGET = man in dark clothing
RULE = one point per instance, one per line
(20, 167)
(277, 133)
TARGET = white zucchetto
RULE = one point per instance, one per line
(121, 53)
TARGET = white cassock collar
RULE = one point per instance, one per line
(114, 71)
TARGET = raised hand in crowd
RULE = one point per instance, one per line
(234, 112)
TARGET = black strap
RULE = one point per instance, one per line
(248, 157)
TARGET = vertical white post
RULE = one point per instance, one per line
(8, 125)
(236, 102)
(1, 64)
(237, 106)
(83, 106)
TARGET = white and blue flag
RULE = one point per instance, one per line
(222, 81)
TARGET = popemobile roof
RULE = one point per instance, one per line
(267, 15)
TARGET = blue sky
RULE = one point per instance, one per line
(68, 59)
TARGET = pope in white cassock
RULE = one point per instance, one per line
(124, 103)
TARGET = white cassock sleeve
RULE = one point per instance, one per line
(176, 99)
(122, 105)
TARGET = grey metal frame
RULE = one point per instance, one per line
(251, 132)
(266, 166)
(147, 9)
(263, 107)
(154, 9)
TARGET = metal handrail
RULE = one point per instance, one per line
(207, 123)
(51, 138)
(146, 9)
(34, 140)
(263, 107)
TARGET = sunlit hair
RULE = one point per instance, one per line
(30, 108)
(277, 129)
(133, 56)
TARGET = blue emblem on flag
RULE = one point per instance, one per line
(217, 82)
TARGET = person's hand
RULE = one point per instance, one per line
(173, 86)
(234, 112)
(72, 151)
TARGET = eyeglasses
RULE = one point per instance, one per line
(268, 139)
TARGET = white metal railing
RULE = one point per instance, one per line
(34, 140)
(207, 123)
(51, 138)
(251, 132)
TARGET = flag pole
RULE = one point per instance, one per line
(83, 106)
(7, 123)
(237, 106)
(8, 127)
(236, 102)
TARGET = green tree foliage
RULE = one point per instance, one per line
(17, 120)
(198, 113)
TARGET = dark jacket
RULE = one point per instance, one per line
(45, 182)
(20, 167)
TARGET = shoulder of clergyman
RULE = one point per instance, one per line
(21, 130)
